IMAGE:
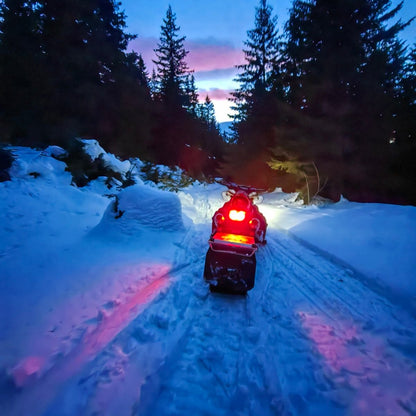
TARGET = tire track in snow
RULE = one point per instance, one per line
(302, 342)
(219, 370)
(300, 347)
(132, 363)
(212, 370)
(282, 349)
(309, 339)
(201, 379)
(349, 341)
(49, 390)
(337, 289)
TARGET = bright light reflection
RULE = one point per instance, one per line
(237, 215)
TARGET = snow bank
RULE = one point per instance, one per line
(31, 163)
(377, 240)
(141, 207)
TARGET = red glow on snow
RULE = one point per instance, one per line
(237, 215)
(364, 363)
(45, 376)
(331, 345)
(28, 368)
(111, 325)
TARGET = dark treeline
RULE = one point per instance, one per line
(65, 72)
(329, 105)
(326, 107)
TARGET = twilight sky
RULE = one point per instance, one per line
(215, 31)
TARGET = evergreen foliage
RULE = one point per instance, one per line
(21, 75)
(6, 161)
(182, 134)
(173, 88)
(256, 103)
(206, 113)
(262, 55)
(343, 65)
(329, 108)
(65, 73)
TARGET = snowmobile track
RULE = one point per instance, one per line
(347, 335)
(309, 339)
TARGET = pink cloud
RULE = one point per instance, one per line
(210, 55)
(204, 55)
(214, 94)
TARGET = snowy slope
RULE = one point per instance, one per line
(104, 310)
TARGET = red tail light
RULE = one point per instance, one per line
(235, 215)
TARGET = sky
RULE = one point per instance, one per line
(215, 31)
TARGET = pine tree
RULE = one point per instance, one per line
(142, 74)
(191, 95)
(407, 119)
(172, 71)
(256, 102)
(21, 76)
(84, 47)
(262, 55)
(342, 67)
(176, 128)
(403, 141)
(66, 73)
(207, 115)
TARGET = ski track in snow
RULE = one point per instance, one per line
(309, 339)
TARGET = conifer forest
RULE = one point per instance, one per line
(326, 106)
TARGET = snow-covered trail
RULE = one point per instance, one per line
(309, 339)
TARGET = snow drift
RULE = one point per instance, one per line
(141, 207)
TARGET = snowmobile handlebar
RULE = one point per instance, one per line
(247, 189)
(253, 196)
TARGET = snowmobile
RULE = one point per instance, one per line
(238, 228)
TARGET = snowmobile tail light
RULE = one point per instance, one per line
(237, 215)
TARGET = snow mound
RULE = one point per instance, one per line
(32, 163)
(95, 151)
(141, 207)
(55, 151)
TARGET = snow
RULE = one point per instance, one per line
(104, 309)
(141, 207)
(95, 151)
(377, 240)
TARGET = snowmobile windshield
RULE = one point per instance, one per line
(241, 203)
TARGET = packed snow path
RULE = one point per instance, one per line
(309, 339)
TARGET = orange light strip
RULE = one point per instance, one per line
(234, 238)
